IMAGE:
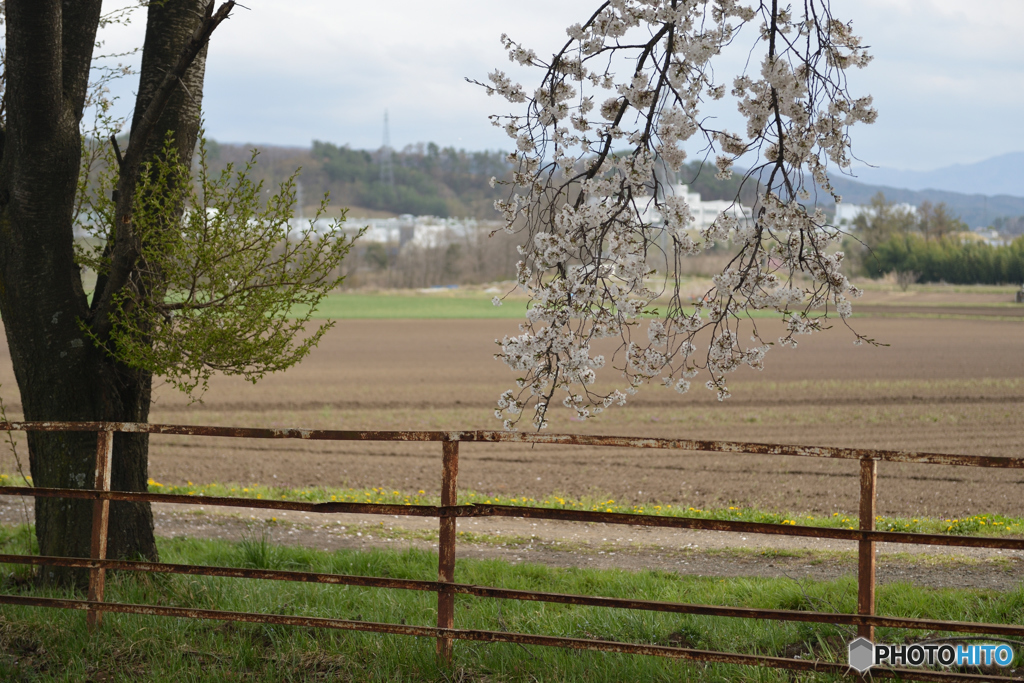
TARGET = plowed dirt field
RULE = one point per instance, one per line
(943, 384)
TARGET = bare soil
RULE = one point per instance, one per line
(941, 385)
(946, 386)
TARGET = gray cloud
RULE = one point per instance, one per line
(948, 79)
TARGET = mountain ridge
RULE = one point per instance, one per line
(977, 210)
(995, 176)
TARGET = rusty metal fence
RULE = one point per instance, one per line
(450, 511)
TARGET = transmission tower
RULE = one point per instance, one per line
(387, 169)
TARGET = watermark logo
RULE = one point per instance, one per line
(864, 654)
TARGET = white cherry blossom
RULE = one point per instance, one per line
(597, 147)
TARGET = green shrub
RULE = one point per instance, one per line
(948, 260)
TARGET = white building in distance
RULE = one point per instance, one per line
(431, 231)
(704, 212)
(419, 231)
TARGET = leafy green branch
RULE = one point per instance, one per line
(229, 286)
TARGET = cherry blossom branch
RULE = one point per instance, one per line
(595, 197)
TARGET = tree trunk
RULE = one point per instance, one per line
(60, 374)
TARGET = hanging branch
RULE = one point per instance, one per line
(594, 194)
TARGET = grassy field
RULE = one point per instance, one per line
(51, 645)
(443, 304)
(344, 306)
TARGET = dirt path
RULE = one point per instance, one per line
(598, 546)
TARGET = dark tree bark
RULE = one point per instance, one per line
(60, 373)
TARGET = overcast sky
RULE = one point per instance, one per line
(948, 75)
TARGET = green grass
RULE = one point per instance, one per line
(477, 305)
(985, 525)
(53, 645)
(442, 305)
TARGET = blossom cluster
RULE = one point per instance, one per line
(596, 155)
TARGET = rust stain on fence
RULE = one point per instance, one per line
(100, 522)
(446, 545)
(449, 512)
(866, 548)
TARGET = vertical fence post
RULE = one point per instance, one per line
(100, 517)
(866, 549)
(446, 547)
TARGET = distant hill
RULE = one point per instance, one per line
(1001, 175)
(977, 210)
(428, 180)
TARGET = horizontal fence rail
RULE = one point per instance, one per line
(448, 514)
(703, 656)
(486, 436)
(513, 594)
